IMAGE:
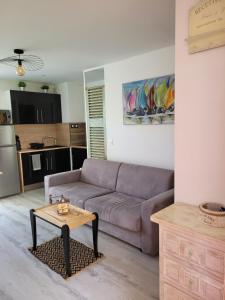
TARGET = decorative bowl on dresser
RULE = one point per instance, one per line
(192, 255)
(213, 214)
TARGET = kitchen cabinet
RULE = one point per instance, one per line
(36, 165)
(78, 157)
(57, 161)
(31, 174)
(35, 108)
(62, 160)
(49, 162)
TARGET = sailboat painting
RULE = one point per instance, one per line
(150, 101)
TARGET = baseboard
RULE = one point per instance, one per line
(33, 186)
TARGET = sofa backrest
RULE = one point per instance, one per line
(100, 172)
(142, 181)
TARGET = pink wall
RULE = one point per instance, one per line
(200, 118)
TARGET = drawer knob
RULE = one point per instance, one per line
(190, 253)
(190, 283)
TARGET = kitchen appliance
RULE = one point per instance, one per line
(77, 134)
(37, 145)
(5, 117)
(9, 175)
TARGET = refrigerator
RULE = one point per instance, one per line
(9, 174)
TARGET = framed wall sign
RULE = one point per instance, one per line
(206, 25)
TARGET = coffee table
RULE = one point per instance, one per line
(74, 219)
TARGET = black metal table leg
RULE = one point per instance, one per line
(33, 228)
(66, 247)
(95, 234)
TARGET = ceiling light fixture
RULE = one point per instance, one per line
(23, 62)
(20, 71)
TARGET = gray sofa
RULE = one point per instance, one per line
(124, 196)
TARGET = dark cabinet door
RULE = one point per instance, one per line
(28, 113)
(49, 162)
(34, 167)
(47, 108)
(57, 110)
(24, 110)
(50, 108)
(35, 108)
(57, 161)
(78, 157)
(62, 160)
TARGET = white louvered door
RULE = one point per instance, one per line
(95, 122)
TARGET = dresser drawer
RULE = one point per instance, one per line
(171, 293)
(170, 243)
(193, 252)
(191, 281)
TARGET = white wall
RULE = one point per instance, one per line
(62, 89)
(72, 100)
(151, 145)
(6, 85)
(76, 100)
(200, 122)
(31, 85)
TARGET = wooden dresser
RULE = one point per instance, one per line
(192, 255)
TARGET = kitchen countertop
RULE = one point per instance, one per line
(78, 147)
(29, 150)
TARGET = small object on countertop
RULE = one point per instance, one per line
(37, 145)
(63, 206)
(213, 214)
(50, 199)
(18, 144)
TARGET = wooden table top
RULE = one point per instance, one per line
(75, 218)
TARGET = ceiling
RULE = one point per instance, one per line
(73, 35)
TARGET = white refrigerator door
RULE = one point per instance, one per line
(9, 176)
(7, 135)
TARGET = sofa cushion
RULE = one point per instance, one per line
(118, 209)
(100, 172)
(78, 192)
(144, 182)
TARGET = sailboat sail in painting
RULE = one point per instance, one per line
(150, 101)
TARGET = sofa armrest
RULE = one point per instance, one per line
(60, 178)
(150, 230)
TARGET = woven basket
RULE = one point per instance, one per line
(212, 215)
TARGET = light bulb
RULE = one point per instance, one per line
(20, 71)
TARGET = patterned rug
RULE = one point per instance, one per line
(51, 253)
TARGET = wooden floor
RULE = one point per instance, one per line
(124, 273)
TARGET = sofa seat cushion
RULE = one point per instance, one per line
(78, 192)
(118, 209)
